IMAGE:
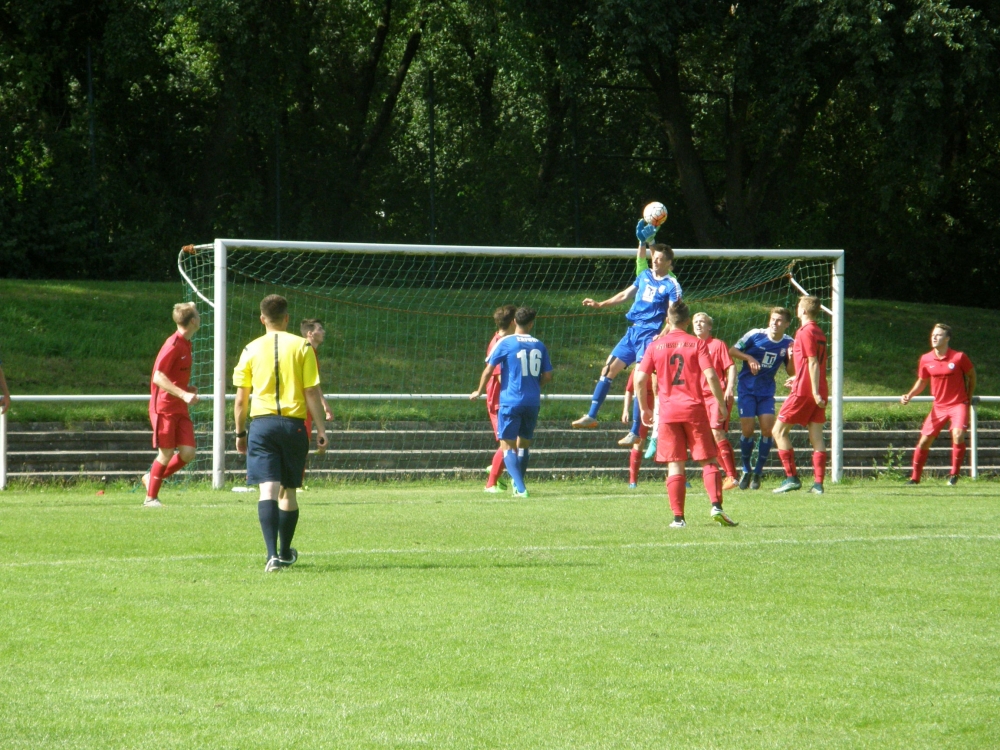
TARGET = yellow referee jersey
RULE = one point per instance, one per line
(277, 367)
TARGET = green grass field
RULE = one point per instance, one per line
(432, 615)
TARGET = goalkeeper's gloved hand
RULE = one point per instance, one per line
(645, 232)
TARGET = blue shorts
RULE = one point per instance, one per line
(750, 406)
(516, 422)
(276, 450)
(633, 344)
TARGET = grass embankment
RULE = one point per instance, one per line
(102, 337)
(429, 614)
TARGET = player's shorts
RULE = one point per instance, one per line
(172, 430)
(718, 419)
(516, 422)
(749, 406)
(633, 344)
(494, 410)
(276, 450)
(958, 415)
(677, 438)
(802, 411)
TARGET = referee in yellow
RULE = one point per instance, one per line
(280, 370)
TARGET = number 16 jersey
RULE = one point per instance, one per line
(522, 361)
(679, 361)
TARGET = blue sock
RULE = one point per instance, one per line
(267, 514)
(636, 417)
(522, 461)
(600, 393)
(763, 451)
(510, 461)
(746, 452)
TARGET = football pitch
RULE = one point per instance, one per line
(433, 615)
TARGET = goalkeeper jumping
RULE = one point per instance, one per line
(654, 289)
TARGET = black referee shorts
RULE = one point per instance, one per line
(276, 450)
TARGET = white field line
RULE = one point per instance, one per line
(529, 549)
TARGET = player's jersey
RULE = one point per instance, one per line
(493, 384)
(770, 354)
(652, 298)
(522, 359)
(174, 361)
(679, 360)
(947, 376)
(630, 387)
(810, 341)
(718, 353)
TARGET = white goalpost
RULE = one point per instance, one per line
(449, 282)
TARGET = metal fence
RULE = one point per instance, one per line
(973, 411)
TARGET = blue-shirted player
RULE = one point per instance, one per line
(654, 289)
(763, 351)
(524, 369)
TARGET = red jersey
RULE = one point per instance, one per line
(174, 361)
(718, 352)
(630, 388)
(947, 376)
(493, 384)
(810, 341)
(678, 359)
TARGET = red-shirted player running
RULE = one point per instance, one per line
(953, 383)
(679, 361)
(635, 448)
(173, 432)
(718, 417)
(806, 405)
(503, 317)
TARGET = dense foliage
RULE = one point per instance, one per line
(128, 127)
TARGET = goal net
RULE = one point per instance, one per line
(407, 328)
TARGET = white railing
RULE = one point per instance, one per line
(973, 411)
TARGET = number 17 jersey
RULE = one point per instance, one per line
(679, 361)
(522, 361)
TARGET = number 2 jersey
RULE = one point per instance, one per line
(522, 359)
(771, 355)
(679, 361)
(652, 298)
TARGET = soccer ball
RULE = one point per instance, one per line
(655, 213)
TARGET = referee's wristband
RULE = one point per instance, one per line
(241, 434)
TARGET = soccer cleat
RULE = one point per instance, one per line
(502, 482)
(586, 421)
(145, 481)
(719, 516)
(521, 494)
(494, 490)
(678, 524)
(293, 557)
(632, 485)
(755, 481)
(273, 565)
(629, 440)
(953, 480)
(790, 484)
(745, 480)
(651, 448)
(729, 484)
(912, 482)
(816, 489)
(152, 502)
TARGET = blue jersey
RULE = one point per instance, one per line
(770, 354)
(652, 298)
(522, 359)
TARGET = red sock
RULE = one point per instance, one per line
(175, 465)
(788, 461)
(676, 491)
(643, 431)
(156, 472)
(713, 482)
(819, 466)
(496, 468)
(726, 457)
(634, 462)
(957, 457)
(919, 459)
